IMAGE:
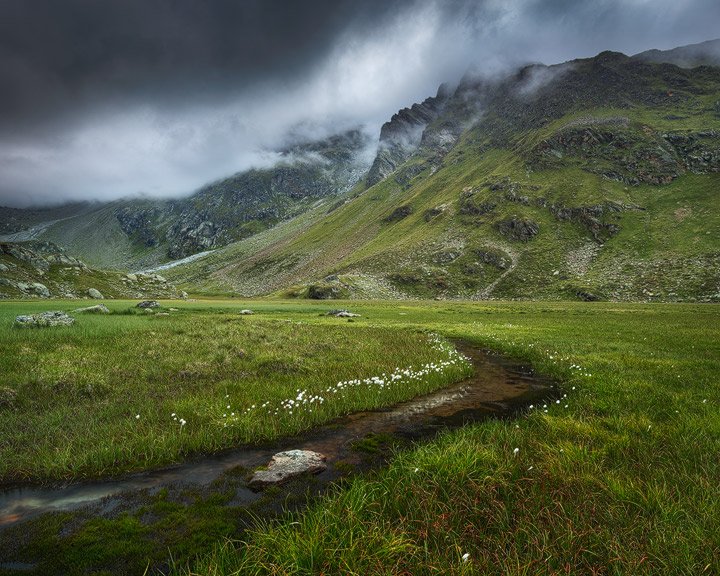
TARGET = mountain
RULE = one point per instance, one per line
(597, 178)
(142, 233)
(36, 269)
(593, 179)
(702, 54)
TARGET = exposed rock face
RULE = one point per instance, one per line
(139, 223)
(95, 294)
(402, 135)
(44, 319)
(287, 465)
(97, 309)
(517, 229)
(399, 213)
(590, 217)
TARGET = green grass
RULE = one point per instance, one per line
(109, 394)
(621, 481)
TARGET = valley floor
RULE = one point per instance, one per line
(619, 476)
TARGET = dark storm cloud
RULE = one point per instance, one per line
(102, 99)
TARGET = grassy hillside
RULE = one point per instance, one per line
(598, 203)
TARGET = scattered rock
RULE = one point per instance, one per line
(39, 289)
(246, 312)
(399, 213)
(342, 314)
(93, 293)
(97, 309)
(131, 277)
(162, 314)
(519, 229)
(3, 268)
(43, 319)
(286, 465)
(147, 304)
(172, 309)
(183, 295)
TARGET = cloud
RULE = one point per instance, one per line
(103, 100)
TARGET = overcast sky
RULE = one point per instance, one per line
(108, 98)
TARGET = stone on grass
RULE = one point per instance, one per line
(246, 312)
(43, 319)
(97, 309)
(93, 293)
(287, 465)
(343, 314)
(146, 304)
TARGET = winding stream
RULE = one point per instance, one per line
(498, 388)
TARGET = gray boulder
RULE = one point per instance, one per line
(44, 319)
(3, 268)
(147, 304)
(93, 293)
(286, 465)
(40, 289)
(343, 314)
(97, 309)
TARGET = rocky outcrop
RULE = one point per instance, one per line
(287, 465)
(44, 319)
(402, 135)
(590, 218)
(522, 230)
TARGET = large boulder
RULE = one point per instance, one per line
(40, 289)
(286, 465)
(147, 304)
(44, 319)
(93, 293)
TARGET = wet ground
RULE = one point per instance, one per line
(357, 443)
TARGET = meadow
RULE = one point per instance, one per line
(128, 391)
(619, 477)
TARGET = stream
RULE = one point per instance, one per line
(498, 388)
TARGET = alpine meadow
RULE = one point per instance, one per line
(317, 288)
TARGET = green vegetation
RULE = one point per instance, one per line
(618, 478)
(133, 390)
(621, 481)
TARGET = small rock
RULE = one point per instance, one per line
(172, 310)
(183, 295)
(97, 309)
(246, 312)
(162, 314)
(146, 304)
(131, 277)
(3, 268)
(44, 319)
(93, 293)
(342, 314)
(286, 465)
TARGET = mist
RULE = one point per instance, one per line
(157, 98)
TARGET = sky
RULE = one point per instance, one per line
(104, 99)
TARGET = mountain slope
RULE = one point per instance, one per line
(596, 178)
(141, 233)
